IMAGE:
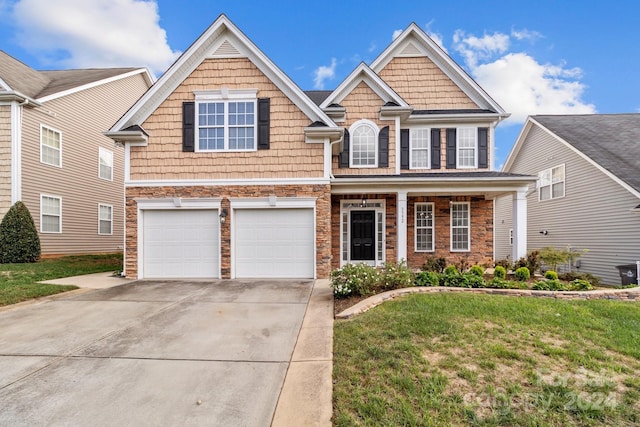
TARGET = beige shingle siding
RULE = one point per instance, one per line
(364, 103)
(5, 159)
(81, 117)
(423, 85)
(288, 157)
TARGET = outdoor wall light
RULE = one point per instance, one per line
(363, 203)
(544, 232)
(223, 215)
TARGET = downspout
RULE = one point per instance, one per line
(330, 152)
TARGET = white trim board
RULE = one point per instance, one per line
(227, 182)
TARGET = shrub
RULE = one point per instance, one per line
(19, 241)
(434, 264)
(395, 276)
(451, 270)
(500, 272)
(569, 277)
(550, 285)
(552, 257)
(580, 285)
(477, 270)
(504, 263)
(522, 274)
(462, 265)
(455, 280)
(475, 281)
(354, 279)
(533, 261)
(427, 278)
(498, 283)
(551, 275)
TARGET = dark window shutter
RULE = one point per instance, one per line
(451, 148)
(483, 147)
(188, 126)
(383, 147)
(435, 148)
(264, 126)
(404, 148)
(343, 159)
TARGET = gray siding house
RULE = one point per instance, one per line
(55, 158)
(588, 191)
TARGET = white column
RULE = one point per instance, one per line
(519, 224)
(402, 225)
(16, 152)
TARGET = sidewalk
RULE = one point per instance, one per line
(91, 281)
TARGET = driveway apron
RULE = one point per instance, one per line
(151, 353)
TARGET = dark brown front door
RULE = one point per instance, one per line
(363, 227)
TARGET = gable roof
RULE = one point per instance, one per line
(46, 85)
(221, 39)
(611, 142)
(413, 41)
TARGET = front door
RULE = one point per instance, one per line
(363, 226)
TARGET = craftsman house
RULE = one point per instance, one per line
(55, 158)
(232, 171)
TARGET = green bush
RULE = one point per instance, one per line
(451, 270)
(552, 257)
(395, 276)
(354, 279)
(434, 264)
(455, 280)
(570, 277)
(551, 275)
(550, 285)
(580, 285)
(19, 241)
(499, 272)
(522, 274)
(504, 263)
(497, 283)
(477, 270)
(427, 278)
(474, 281)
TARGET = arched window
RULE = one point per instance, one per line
(364, 144)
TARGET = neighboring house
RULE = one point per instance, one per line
(55, 158)
(232, 171)
(588, 190)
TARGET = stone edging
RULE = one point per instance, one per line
(629, 294)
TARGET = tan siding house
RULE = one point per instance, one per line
(232, 171)
(592, 201)
(59, 162)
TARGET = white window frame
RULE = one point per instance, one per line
(376, 132)
(412, 133)
(226, 96)
(416, 227)
(44, 128)
(100, 219)
(42, 214)
(459, 132)
(467, 227)
(548, 182)
(102, 151)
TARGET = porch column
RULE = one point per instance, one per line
(401, 225)
(519, 224)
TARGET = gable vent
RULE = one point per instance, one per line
(411, 50)
(226, 50)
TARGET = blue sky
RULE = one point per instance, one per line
(544, 57)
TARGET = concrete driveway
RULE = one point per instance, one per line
(152, 353)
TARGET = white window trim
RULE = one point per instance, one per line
(475, 156)
(42, 214)
(110, 233)
(564, 183)
(468, 227)
(411, 130)
(100, 151)
(225, 96)
(42, 127)
(415, 227)
(376, 133)
(381, 208)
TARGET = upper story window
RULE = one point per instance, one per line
(50, 146)
(105, 164)
(364, 144)
(420, 141)
(467, 148)
(551, 183)
(226, 120)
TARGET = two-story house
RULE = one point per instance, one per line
(232, 171)
(55, 158)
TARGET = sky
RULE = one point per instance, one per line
(543, 57)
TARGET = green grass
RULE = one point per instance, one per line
(487, 360)
(18, 282)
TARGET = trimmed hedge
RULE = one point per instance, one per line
(19, 241)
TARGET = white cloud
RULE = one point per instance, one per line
(323, 73)
(94, 33)
(396, 34)
(372, 47)
(525, 34)
(436, 37)
(517, 81)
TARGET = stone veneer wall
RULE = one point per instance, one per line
(323, 217)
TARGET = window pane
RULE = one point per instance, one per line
(424, 227)
(558, 190)
(364, 146)
(466, 146)
(460, 226)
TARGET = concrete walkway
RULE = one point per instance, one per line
(170, 353)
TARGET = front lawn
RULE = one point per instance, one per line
(18, 282)
(460, 359)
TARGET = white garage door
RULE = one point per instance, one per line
(180, 244)
(275, 243)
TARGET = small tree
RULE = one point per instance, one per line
(19, 241)
(552, 257)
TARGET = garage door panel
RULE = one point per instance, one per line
(274, 243)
